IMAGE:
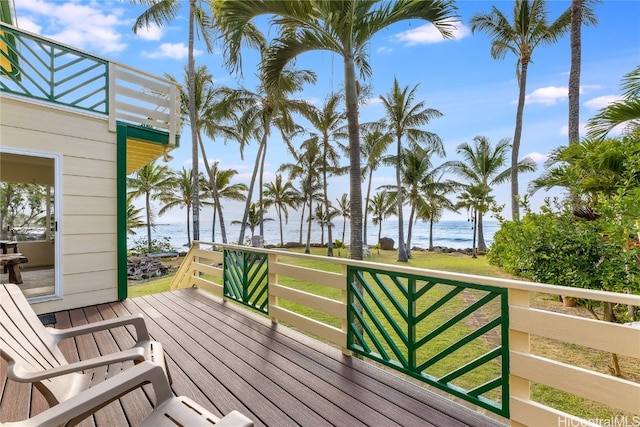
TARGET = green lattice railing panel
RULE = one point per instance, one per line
(246, 278)
(449, 334)
(40, 69)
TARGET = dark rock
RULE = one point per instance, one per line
(386, 243)
(290, 245)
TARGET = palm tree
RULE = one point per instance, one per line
(434, 193)
(150, 181)
(306, 166)
(375, 144)
(220, 181)
(403, 118)
(281, 196)
(162, 12)
(210, 121)
(269, 106)
(134, 220)
(382, 206)
(529, 29)
(485, 166)
(254, 219)
(324, 218)
(181, 195)
(328, 122)
(344, 209)
(581, 12)
(626, 111)
(476, 199)
(320, 25)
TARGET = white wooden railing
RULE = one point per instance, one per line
(525, 368)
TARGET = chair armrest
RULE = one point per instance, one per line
(23, 375)
(82, 405)
(137, 320)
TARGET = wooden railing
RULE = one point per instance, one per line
(204, 267)
(46, 71)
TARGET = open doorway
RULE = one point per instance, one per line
(29, 240)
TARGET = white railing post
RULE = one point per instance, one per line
(518, 341)
(273, 279)
(345, 321)
(113, 69)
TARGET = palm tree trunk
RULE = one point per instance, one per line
(379, 231)
(247, 206)
(307, 249)
(260, 195)
(147, 200)
(517, 135)
(193, 124)
(574, 73)
(475, 228)
(402, 250)
(326, 201)
(431, 234)
(355, 183)
(366, 207)
(344, 228)
(304, 205)
(216, 195)
(279, 212)
(188, 232)
(409, 230)
(482, 246)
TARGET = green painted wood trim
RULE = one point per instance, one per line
(121, 189)
(150, 134)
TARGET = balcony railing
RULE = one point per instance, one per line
(46, 71)
(467, 335)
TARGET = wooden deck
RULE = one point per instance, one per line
(226, 357)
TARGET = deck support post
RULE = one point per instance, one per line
(518, 341)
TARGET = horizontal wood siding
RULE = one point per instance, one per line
(88, 194)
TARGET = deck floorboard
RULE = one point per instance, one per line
(226, 357)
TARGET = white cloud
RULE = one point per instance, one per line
(428, 34)
(171, 50)
(90, 26)
(564, 130)
(384, 49)
(601, 101)
(549, 95)
(538, 158)
(153, 32)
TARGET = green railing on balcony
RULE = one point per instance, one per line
(41, 69)
(451, 335)
(246, 278)
(44, 70)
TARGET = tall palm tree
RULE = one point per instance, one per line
(281, 196)
(306, 165)
(375, 144)
(344, 209)
(382, 206)
(404, 116)
(161, 12)
(320, 25)
(529, 29)
(150, 181)
(324, 218)
(581, 12)
(626, 111)
(220, 183)
(181, 195)
(328, 122)
(269, 106)
(211, 121)
(485, 166)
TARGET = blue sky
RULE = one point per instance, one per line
(476, 93)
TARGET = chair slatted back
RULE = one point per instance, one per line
(26, 345)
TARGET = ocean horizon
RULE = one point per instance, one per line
(452, 234)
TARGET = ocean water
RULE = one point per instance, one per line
(452, 234)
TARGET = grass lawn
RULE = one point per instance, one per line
(459, 263)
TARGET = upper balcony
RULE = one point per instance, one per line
(44, 71)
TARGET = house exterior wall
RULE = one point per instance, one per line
(88, 223)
